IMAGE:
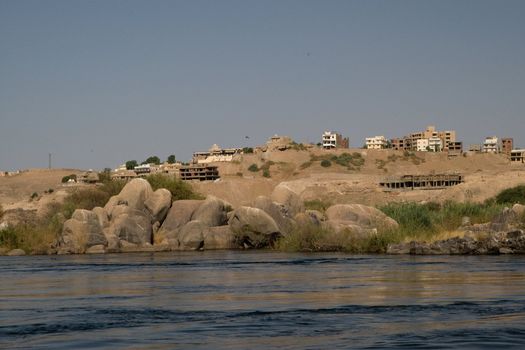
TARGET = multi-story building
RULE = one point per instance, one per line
(435, 144)
(476, 148)
(455, 148)
(376, 142)
(422, 145)
(517, 156)
(507, 144)
(410, 141)
(216, 154)
(332, 140)
(491, 145)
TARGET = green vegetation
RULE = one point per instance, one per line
(325, 163)
(152, 160)
(266, 173)
(178, 188)
(171, 159)
(348, 160)
(253, 168)
(104, 175)
(297, 146)
(131, 164)
(69, 177)
(247, 150)
(305, 165)
(512, 195)
(317, 204)
(239, 174)
(34, 195)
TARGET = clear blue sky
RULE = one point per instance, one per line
(97, 83)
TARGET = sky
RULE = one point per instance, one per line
(96, 83)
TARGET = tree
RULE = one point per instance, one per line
(152, 160)
(131, 164)
(171, 159)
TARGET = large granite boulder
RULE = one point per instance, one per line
(81, 232)
(212, 212)
(102, 215)
(158, 204)
(252, 227)
(134, 194)
(284, 195)
(133, 226)
(219, 237)
(179, 215)
(191, 235)
(280, 213)
(360, 215)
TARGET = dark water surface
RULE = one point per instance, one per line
(260, 300)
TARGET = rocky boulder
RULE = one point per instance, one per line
(158, 204)
(220, 237)
(133, 226)
(80, 232)
(179, 215)
(280, 213)
(102, 215)
(212, 212)
(360, 215)
(252, 227)
(191, 235)
(284, 195)
(16, 252)
(134, 195)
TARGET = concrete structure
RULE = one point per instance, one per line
(88, 177)
(476, 148)
(376, 142)
(170, 168)
(410, 142)
(215, 154)
(455, 148)
(435, 144)
(144, 170)
(331, 140)
(199, 172)
(507, 145)
(400, 144)
(517, 156)
(124, 175)
(422, 145)
(422, 182)
(491, 145)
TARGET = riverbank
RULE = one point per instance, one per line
(164, 214)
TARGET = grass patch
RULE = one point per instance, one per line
(253, 168)
(305, 165)
(512, 195)
(325, 163)
(178, 188)
(317, 204)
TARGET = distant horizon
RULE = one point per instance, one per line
(96, 83)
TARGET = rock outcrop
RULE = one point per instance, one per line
(280, 213)
(284, 195)
(81, 232)
(253, 228)
(158, 204)
(212, 212)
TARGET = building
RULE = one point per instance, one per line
(410, 142)
(215, 154)
(455, 148)
(376, 142)
(200, 172)
(124, 175)
(435, 144)
(507, 145)
(331, 140)
(491, 145)
(146, 169)
(476, 148)
(422, 145)
(517, 156)
(280, 143)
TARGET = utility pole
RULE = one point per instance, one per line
(49, 160)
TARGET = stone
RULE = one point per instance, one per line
(191, 236)
(284, 195)
(179, 215)
(212, 212)
(158, 204)
(96, 249)
(102, 216)
(16, 252)
(219, 237)
(519, 209)
(361, 215)
(280, 213)
(252, 227)
(133, 226)
(80, 232)
(136, 193)
(504, 221)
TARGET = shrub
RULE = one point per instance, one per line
(247, 150)
(253, 168)
(305, 165)
(131, 164)
(326, 163)
(69, 177)
(317, 204)
(239, 174)
(178, 188)
(297, 146)
(34, 195)
(266, 173)
(512, 195)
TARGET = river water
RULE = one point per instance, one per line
(261, 300)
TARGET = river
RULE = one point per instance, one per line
(261, 300)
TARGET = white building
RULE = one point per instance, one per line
(376, 142)
(422, 145)
(491, 145)
(435, 144)
(334, 140)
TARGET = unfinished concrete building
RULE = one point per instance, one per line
(422, 182)
(200, 172)
(332, 140)
(517, 156)
(507, 145)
